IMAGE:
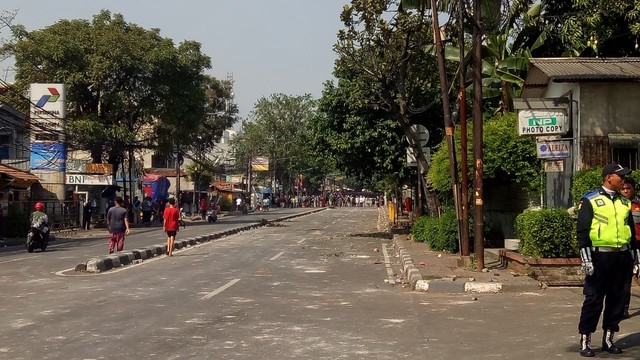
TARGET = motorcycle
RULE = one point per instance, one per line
(211, 216)
(37, 239)
(243, 208)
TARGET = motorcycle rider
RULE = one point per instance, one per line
(40, 223)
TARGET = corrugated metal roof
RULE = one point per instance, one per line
(566, 69)
(17, 173)
(16, 178)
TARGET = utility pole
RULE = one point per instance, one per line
(178, 163)
(464, 231)
(448, 123)
(478, 221)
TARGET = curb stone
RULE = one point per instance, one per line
(105, 263)
(414, 277)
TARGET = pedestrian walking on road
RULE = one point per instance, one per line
(118, 225)
(605, 230)
(146, 210)
(629, 191)
(171, 224)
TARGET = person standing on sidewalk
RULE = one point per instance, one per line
(629, 191)
(86, 215)
(171, 224)
(118, 225)
(604, 232)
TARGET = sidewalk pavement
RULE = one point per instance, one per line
(434, 271)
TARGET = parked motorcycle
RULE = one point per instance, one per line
(37, 239)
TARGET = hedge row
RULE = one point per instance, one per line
(547, 233)
(440, 233)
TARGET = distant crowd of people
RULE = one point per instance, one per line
(332, 199)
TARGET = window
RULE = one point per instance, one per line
(163, 162)
(625, 156)
(6, 141)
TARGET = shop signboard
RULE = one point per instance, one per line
(553, 149)
(542, 122)
(88, 179)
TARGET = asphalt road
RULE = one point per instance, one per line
(309, 288)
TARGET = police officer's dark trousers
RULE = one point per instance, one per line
(608, 283)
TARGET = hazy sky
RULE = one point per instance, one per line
(269, 46)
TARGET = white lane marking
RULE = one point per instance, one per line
(18, 259)
(277, 256)
(387, 263)
(220, 289)
(301, 241)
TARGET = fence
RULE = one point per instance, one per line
(62, 215)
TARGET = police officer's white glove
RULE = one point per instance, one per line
(587, 262)
(636, 261)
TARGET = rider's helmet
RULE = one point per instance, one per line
(39, 206)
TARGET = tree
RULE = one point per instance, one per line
(601, 27)
(358, 139)
(128, 87)
(276, 129)
(7, 18)
(386, 60)
(508, 157)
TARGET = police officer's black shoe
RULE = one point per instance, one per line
(607, 343)
(585, 346)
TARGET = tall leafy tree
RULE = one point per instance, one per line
(601, 27)
(276, 129)
(358, 139)
(382, 52)
(126, 84)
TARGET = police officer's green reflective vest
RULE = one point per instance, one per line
(609, 226)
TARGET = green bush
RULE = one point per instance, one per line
(225, 204)
(548, 233)
(440, 233)
(587, 180)
(584, 181)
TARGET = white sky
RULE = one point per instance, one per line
(269, 46)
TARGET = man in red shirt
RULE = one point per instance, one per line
(171, 224)
(203, 208)
(628, 190)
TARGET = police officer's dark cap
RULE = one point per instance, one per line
(614, 168)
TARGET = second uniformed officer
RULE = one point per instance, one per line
(604, 232)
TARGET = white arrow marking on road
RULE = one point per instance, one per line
(220, 289)
(277, 256)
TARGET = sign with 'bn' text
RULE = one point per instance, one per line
(542, 122)
(81, 179)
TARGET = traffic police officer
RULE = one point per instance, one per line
(604, 232)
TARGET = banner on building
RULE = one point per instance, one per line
(260, 163)
(99, 168)
(48, 156)
(47, 127)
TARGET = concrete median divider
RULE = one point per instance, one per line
(128, 257)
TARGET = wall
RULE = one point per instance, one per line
(609, 108)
